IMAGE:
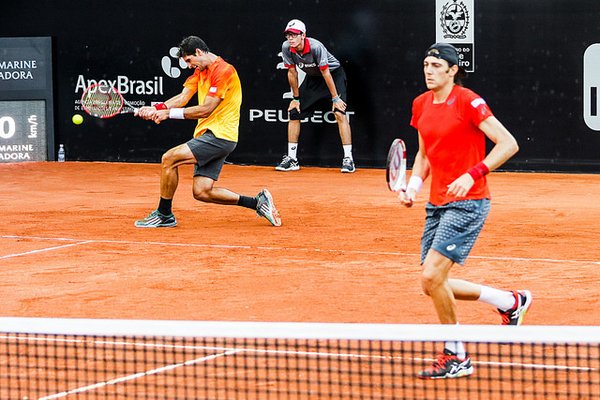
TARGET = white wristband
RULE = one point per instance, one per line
(176, 113)
(415, 183)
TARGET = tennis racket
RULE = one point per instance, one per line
(396, 166)
(104, 101)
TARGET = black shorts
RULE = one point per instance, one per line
(210, 153)
(314, 89)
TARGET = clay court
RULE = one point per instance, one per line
(347, 252)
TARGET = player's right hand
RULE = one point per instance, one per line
(160, 115)
(294, 104)
(407, 198)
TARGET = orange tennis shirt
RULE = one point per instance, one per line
(221, 80)
(453, 141)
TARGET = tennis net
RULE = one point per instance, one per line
(45, 358)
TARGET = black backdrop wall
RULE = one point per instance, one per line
(529, 63)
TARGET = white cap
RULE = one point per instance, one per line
(295, 26)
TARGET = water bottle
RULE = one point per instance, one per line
(61, 153)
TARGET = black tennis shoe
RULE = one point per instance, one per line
(348, 165)
(288, 164)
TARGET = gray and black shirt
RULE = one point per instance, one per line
(313, 58)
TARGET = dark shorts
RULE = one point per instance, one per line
(452, 229)
(210, 153)
(314, 92)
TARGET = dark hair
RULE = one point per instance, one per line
(188, 46)
(460, 76)
(448, 52)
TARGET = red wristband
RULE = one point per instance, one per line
(161, 106)
(478, 171)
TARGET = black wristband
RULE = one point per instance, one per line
(297, 98)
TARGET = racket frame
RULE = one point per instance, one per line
(396, 166)
(124, 108)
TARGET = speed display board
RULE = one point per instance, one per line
(26, 103)
(23, 131)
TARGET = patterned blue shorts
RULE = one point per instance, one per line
(452, 229)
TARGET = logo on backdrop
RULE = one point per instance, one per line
(456, 26)
(17, 69)
(168, 61)
(591, 83)
(454, 20)
(171, 65)
(124, 85)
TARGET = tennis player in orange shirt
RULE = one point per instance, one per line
(216, 135)
(453, 123)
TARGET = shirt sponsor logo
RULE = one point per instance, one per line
(477, 102)
(311, 65)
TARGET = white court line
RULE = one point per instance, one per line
(44, 250)
(131, 377)
(305, 249)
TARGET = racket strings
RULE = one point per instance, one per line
(102, 101)
(396, 166)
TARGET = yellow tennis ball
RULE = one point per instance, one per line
(77, 119)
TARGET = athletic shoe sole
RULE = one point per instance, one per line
(273, 216)
(525, 307)
(294, 168)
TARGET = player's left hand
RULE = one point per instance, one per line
(160, 115)
(461, 186)
(294, 104)
(340, 105)
(146, 112)
(407, 197)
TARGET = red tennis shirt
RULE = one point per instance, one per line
(453, 141)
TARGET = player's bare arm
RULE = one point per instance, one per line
(195, 112)
(293, 81)
(505, 146)
(420, 172)
(335, 98)
(179, 100)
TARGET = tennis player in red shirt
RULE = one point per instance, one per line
(453, 123)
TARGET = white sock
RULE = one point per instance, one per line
(500, 299)
(347, 150)
(457, 348)
(292, 150)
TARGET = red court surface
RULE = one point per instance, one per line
(347, 251)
